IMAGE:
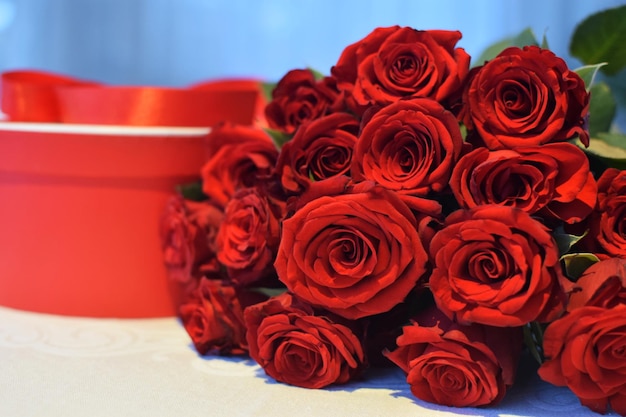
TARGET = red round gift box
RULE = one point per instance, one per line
(79, 212)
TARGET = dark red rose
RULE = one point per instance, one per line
(213, 317)
(239, 157)
(454, 365)
(299, 98)
(552, 180)
(497, 266)
(409, 146)
(295, 346)
(603, 284)
(526, 97)
(395, 62)
(248, 237)
(320, 149)
(357, 253)
(586, 351)
(188, 230)
(608, 222)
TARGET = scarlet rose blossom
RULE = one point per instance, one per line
(410, 146)
(497, 266)
(586, 351)
(454, 365)
(552, 180)
(397, 62)
(213, 317)
(525, 97)
(356, 253)
(188, 230)
(608, 222)
(239, 157)
(320, 149)
(248, 236)
(296, 346)
(299, 98)
(603, 284)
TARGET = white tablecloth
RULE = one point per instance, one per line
(67, 366)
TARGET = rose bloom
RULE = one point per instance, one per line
(239, 157)
(188, 231)
(454, 365)
(248, 236)
(320, 149)
(603, 284)
(586, 351)
(608, 222)
(299, 98)
(525, 97)
(410, 146)
(356, 252)
(213, 317)
(295, 346)
(395, 62)
(552, 180)
(497, 266)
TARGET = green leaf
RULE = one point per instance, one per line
(267, 88)
(588, 73)
(564, 240)
(270, 292)
(279, 138)
(544, 42)
(576, 263)
(602, 109)
(525, 38)
(192, 191)
(601, 38)
(533, 339)
(317, 74)
(604, 148)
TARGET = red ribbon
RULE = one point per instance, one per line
(37, 96)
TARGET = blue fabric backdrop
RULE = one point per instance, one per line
(177, 42)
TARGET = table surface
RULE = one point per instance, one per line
(71, 366)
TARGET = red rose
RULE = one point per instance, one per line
(454, 365)
(320, 149)
(188, 230)
(526, 97)
(552, 180)
(299, 98)
(603, 284)
(396, 62)
(213, 317)
(497, 266)
(248, 237)
(586, 351)
(608, 222)
(297, 347)
(356, 254)
(239, 157)
(409, 146)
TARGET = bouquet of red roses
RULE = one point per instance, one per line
(409, 210)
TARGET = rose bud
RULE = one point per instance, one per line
(525, 97)
(497, 266)
(586, 352)
(454, 365)
(296, 346)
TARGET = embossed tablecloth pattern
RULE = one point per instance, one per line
(67, 366)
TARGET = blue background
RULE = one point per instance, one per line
(179, 42)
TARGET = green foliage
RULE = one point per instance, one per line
(576, 263)
(192, 191)
(279, 138)
(602, 109)
(600, 38)
(525, 38)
